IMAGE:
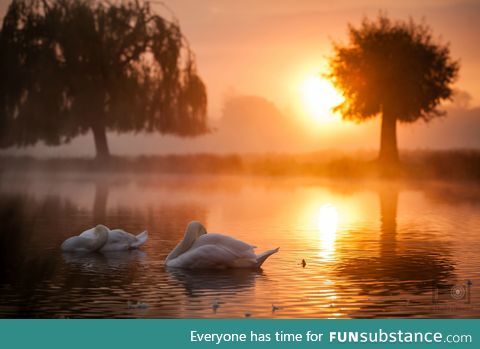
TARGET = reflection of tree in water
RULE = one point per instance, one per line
(22, 267)
(163, 217)
(12, 237)
(100, 202)
(394, 271)
(388, 221)
(36, 280)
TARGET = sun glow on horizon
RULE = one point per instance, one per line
(319, 97)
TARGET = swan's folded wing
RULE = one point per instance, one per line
(118, 240)
(214, 257)
(225, 241)
(121, 236)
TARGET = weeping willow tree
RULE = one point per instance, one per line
(395, 70)
(69, 67)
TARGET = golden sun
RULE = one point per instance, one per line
(319, 97)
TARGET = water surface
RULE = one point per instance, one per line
(372, 249)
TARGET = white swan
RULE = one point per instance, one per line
(102, 239)
(199, 250)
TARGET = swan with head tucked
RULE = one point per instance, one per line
(101, 238)
(199, 250)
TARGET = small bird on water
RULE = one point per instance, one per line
(303, 263)
(215, 305)
(137, 305)
(275, 308)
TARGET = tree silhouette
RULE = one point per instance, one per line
(394, 69)
(68, 67)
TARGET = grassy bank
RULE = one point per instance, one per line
(445, 165)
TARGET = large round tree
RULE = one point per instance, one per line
(68, 67)
(395, 70)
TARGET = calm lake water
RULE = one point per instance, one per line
(372, 249)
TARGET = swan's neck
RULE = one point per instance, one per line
(194, 230)
(181, 247)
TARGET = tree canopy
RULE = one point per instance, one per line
(395, 69)
(71, 66)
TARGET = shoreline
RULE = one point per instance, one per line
(456, 165)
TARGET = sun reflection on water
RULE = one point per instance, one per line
(327, 223)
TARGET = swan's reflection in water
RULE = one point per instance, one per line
(197, 282)
(102, 262)
(91, 270)
(215, 291)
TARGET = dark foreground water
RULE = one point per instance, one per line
(372, 249)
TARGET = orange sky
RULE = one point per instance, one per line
(268, 48)
(265, 47)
